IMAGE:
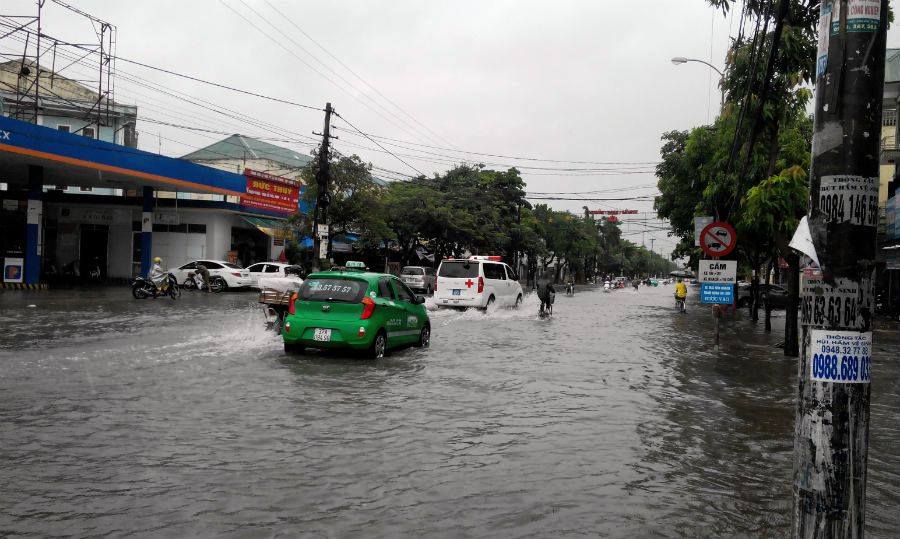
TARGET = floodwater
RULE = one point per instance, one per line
(614, 418)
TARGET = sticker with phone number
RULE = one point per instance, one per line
(841, 357)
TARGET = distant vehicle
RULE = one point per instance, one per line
(275, 295)
(419, 278)
(354, 309)
(221, 273)
(776, 294)
(265, 269)
(477, 281)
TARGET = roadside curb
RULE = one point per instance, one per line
(23, 286)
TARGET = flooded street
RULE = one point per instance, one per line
(615, 417)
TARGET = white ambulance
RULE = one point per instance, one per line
(477, 281)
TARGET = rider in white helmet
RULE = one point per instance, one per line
(157, 275)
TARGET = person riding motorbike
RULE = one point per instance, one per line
(547, 294)
(202, 274)
(157, 276)
(570, 285)
(681, 293)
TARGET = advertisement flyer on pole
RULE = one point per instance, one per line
(840, 356)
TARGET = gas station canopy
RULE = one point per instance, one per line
(75, 160)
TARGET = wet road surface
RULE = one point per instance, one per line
(614, 418)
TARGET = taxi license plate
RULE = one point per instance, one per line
(457, 291)
(323, 335)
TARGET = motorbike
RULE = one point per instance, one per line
(607, 287)
(195, 281)
(679, 303)
(570, 289)
(143, 287)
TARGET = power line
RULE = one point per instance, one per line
(379, 145)
(182, 75)
(345, 66)
(519, 158)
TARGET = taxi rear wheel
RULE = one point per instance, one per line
(378, 348)
(424, 337)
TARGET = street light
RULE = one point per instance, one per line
(678, 60)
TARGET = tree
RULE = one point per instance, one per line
(773, 209)
(356, 201)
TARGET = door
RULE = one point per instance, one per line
(458, 280)
(93, 248)
(181, 274)
(409, 309)
(387, 299)
(256, 271)
(496, 282)
(512, 281)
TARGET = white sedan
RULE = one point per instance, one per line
(233, 275)
(265, 269)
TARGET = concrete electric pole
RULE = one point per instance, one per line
(320, 212)
(831, 435)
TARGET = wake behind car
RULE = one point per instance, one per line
(225, 274)
(477, 281)
(354, 309)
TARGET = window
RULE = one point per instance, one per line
(511, 275)
(196, 229)
(88, 132)
(272, 268)
(189, 266)
(68, 128)
(384, 289)
(494, 271)
(256, 268)
(458, 270)
(211, 265)
(412, 270)
(338, 290)
(889, 117)
(403, 292)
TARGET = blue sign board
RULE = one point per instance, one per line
(717, 293)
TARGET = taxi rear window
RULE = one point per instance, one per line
(333, 289)
(458, 269)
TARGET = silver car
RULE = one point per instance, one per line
(419, 278)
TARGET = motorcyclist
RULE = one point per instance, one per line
(546, 293)
(203, 272)
(157, 276)
(570, 285)
(680, 291)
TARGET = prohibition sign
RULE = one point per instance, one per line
(718, 239)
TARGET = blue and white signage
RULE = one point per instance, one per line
(717, 293)
(840, 357)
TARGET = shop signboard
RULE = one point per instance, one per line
(271, 193)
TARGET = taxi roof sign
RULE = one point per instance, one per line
(355, 264)
(492, 258)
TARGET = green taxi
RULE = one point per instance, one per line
(355, 309)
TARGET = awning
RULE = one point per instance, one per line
(271, 227)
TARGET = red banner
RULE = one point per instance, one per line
(272, 193)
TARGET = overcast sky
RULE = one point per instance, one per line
(566, 80)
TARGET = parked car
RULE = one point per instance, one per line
(419, 278)
(776, 294)
(265, 269)
(354, 309)
(477, 281)
(232, 275)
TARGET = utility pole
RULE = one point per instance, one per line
(831, 434)
(320, 212)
